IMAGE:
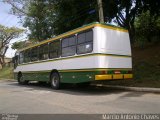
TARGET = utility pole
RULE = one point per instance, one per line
(100, 9)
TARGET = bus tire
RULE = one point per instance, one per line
(21, 80)
(55, 81)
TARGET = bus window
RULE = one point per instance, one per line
(72, 41)
(27, 56)
(81, 38)
(89, 35)
(21, 57)
(15, 61)
(84, 48)
(34, 54)
(65, 42)
(54, 49)
(69, 46)
(43, 52)
(85, 42)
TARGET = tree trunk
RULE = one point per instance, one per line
(2, 61)
(131, 31)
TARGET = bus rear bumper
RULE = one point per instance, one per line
(113, 77)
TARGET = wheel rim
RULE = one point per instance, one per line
(21, 79)
(54, 81)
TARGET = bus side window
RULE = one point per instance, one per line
(34, 54)
(15, 61)
(54, 49)
(85, 42)
(27, 56)
(43, 52)
(69, 46)
(21, 57)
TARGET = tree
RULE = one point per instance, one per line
(18, 45)
(6, 35)
(126, 13)
(22, 44)
(40, 20)
(38, 17)
(128, 10)
(48, 18)
(19, 7)
(147, 28)
(71, 14)
(51, 17)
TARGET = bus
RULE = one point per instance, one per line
(94, 52)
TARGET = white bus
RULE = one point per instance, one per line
(93, 52)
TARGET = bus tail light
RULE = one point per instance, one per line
(117, 72)
(103, 72)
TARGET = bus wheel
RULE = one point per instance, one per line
(55, 81)
(21, 79)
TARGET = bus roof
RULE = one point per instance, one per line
(79, 29)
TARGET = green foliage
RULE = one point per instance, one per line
(11, 32)
(39, 20)
(147, 28)
(71, 14)
(48, 18)
(22, 44)
(6, 35)
(18, 45)
(6, 73)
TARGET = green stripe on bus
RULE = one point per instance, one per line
(78, 70)
(68, 76)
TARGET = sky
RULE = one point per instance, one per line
(10, 20)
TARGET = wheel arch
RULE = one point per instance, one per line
(53, 71)
(19, 73)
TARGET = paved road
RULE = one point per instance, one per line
(35, 98)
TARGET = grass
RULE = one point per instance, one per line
(6, 73)
(146, 65)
